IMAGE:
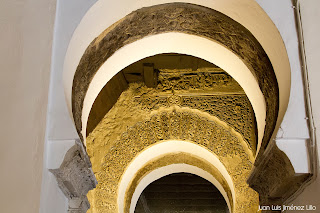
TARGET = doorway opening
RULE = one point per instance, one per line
(181, 192)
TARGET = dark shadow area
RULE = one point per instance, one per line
(181, 192)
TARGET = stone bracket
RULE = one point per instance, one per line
(75, 178)
(280, 172)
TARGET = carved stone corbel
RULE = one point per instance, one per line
(274, 177)
(75, 178)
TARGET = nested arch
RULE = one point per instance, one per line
(174, 157)
(235, 35)
(189, 19)
(179, 43)
(197, 129)
(175, 168)
(182, 192)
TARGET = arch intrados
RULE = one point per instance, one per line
(172, 169)
(206, 49)
(164, 148)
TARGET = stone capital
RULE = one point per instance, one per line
(75, 178)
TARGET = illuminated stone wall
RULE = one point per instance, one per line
(143, 117)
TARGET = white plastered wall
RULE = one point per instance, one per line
(26, 32)
(310, 16)
(60, 131)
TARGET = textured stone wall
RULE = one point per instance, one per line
(133, 125)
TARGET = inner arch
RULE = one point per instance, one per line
(198, 84)
(176, 43)
(160, 150)
(181, 192)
